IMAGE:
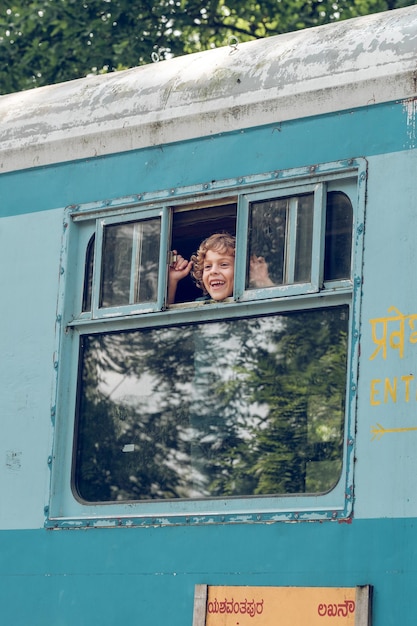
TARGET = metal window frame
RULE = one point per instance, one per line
(64, 511)
(319, 215)
(132, 308)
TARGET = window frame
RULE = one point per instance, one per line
(102, 312)
(64, 509)
(317, 252)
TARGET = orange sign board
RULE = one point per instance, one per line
(286, 606)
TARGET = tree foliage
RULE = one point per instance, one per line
(48, 41)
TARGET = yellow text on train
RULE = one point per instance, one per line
(392, 332)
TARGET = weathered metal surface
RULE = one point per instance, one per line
(267, 81)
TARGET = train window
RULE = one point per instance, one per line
(190, 227)
(130, 260)
(88, 275)
(339, 220)
(286, 254)
(239, 401)
(241, 407)
(284, 250)
(280, 241)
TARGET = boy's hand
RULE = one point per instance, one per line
(179, 267)
(258, 272)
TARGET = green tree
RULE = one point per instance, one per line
(48, 41)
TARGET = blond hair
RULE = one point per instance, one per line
(220, 242)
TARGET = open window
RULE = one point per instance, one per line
(190, 227)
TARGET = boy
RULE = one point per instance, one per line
(213, 269)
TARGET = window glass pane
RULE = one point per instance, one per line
(267, 236)
(116, 265)
(88, 275)
(146, 260)
(304, 239)
(339, 222)
(280, 241)
(228, 408)
(130, 263)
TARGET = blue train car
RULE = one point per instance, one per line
(263, 437)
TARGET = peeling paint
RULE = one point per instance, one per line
(411, 109)
(277, 79)
(13, 460)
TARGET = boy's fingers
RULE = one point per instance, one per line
(181, 262)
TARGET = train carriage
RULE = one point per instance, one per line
(163, 461)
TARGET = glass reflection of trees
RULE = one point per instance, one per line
(231, 408)
(281, 231)
(130, 263)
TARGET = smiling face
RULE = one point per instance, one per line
(218, 274)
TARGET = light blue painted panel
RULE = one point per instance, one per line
(29, 258)
(147, 576)
(362, 132)
(386, 464)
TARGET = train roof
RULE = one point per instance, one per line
(336, 67)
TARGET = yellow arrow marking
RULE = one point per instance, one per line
(379, 431)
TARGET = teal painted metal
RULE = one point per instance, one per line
(147, 576)
(369, 131)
